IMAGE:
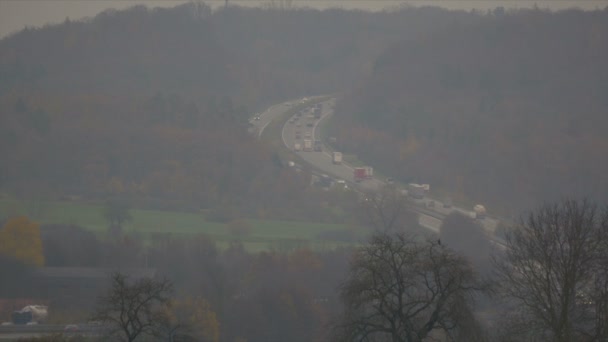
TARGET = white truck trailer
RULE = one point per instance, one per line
(307, 145)
(480, 211)
(336, 158)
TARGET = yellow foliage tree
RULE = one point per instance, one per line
(194, 317)
(20, 239)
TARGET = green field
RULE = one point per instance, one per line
(262, 235)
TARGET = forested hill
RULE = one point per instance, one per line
(138, 103)
(507, 111)
(132, 52)
(153, 103)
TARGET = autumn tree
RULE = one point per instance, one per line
(134, 308)
(399, 289)
(191, 319)
(20, 239)
(555, 271)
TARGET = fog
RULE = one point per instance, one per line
(303, 171)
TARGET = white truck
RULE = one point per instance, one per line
(307, 145)
(297, 147)
(336, 158)
(480, 211)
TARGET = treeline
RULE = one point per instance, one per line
(547, 280)
(265, 296)
(506, 109)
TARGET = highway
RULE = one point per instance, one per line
(305, 124)
(14, 332)
(321, 160)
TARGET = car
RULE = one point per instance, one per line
(71, 328)
(342, 183)
(31, 323)
(257, 118)
(298, 125)
(6, 323)
(309, 124)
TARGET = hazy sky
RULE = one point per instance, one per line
(16, 14)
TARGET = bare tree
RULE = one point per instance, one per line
(555, 272)
(466, 235)
(401, 290)
(133, 309)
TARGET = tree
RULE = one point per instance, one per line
(466, 235)
(555, 271)
(70, 245)
(135, 308)
(20, 239)
(116, 212)
(192, 319)
(386, 210)
(399, 289)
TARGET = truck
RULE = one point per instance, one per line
(31, 314)
(369, 172)
(325, 181)
(297, 147)
(480, 211)
(416, 191)
(336, 158)
(307, 145)
(363, 173)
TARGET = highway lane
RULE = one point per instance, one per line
(17, 331)
(305, 126)
(430, 217)
(260, 121)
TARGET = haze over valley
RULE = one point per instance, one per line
(266, 173)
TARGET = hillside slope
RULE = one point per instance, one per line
(138, 103)
(509, 111)
(153, 103)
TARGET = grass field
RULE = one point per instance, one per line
(262, 235)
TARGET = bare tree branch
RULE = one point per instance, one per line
(132, 309)
(555, 269)
(400, 289)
